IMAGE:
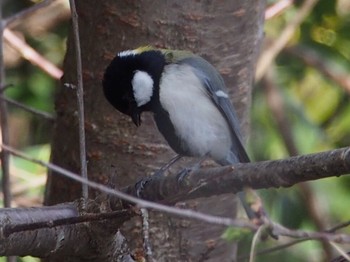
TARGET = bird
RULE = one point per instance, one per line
(188, 99)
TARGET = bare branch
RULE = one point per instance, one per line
(139, 202)
(292, 243)
(5, 137)
(28, 109)
(31, 55)
(50, 217)
(330, 237)
(277, 8)
(232, 179)
(302, 168)
(58, 230)
(270, 54)
(276, 104)
(8, 21)
(80, 97)
(312, 58)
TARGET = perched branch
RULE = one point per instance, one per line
(139, 202)
(207, 182)
(232, 179)
(330, 237)
(219, 180)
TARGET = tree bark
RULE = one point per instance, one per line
(227, 33)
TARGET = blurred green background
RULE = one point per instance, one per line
(309, 79)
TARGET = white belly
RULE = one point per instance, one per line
(197, 121)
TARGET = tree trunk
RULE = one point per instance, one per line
(227, 33)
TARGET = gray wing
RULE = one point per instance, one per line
(216, 89)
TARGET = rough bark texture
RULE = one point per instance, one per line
(227, 33)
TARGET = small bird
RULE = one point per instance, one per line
(187, 97)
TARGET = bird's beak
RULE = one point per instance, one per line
(136, 117)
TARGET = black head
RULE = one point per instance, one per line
(131, 80)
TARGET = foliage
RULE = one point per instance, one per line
(318, 112)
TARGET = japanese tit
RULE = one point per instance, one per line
(187, 97)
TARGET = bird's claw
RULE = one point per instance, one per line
(140, 186)
(181, 176)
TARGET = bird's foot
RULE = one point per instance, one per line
(181, 176)
(140, 186)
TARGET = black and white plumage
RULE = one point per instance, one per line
(187, 96)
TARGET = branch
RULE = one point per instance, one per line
(131, 199)
(57, 230)
(232, 179)
(311, 58)
(8, 21)
(80, 96)
(29, 109)
(270, 54)
(277, 8)
(202, 182)
(31, 55)
(294, 242)
(5, 136)
(277, 107)
(219, 180)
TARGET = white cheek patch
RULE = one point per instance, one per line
(221, 94)
(127, 53)
(142, 85)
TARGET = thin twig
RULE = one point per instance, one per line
(5, 138)
(80, 96)
(292, 243)
(311, 58)
(28, 108)
(277, 8)
(276, 104)
(145, 232)
(340, 250)
(16, 228)
(280, 230)
(31, 55)
(269, 55)
(5, 157)
(8, 21)
(139, 202)
(337, 227)
(254, 243)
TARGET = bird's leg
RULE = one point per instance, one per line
(141, 184)
(254, 208)
(168, 165)
(248, 210)
(183, 173)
